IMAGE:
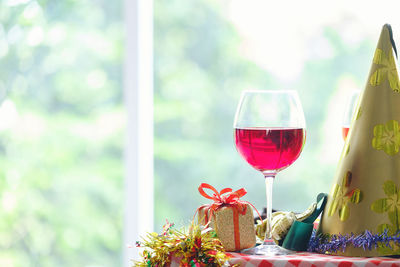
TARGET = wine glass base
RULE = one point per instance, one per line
(267, 249)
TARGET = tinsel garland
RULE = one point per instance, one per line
(194, 248)
(366, 240)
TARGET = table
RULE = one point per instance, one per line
(305, 259)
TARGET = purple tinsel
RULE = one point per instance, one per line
(366, 240)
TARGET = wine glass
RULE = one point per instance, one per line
(349, 111)
(269, 131)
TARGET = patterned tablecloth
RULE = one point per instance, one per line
(310, 260)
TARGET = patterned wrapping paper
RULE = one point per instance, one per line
(366, 190)
(223, 221)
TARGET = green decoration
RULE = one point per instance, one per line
(391, 206)
(388, 70)
(342, 196)
(359, 112)
(387, 137)
(300, 232)
(345, 151)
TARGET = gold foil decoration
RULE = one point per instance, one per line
(281, 221)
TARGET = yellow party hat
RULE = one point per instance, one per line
(365, 199)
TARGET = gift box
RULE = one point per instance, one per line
(230, 217)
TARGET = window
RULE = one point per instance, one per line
(63, 118)
(207, 52)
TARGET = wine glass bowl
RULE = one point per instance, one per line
(269, 149)
(269, 131)
(351, 106)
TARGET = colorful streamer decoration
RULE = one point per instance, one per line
(198, 246)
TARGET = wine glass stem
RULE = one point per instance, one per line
(269, 180)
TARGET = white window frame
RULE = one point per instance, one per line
(138, 96)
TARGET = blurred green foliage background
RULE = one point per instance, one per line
(200, 71)
(62, 122)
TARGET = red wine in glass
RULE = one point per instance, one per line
(349, 112)
(269, 134)
(269, 148)
(345, 132)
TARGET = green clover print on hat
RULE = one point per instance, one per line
(342, 196)
(390, 205)
(387, 70)
(387, 137)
